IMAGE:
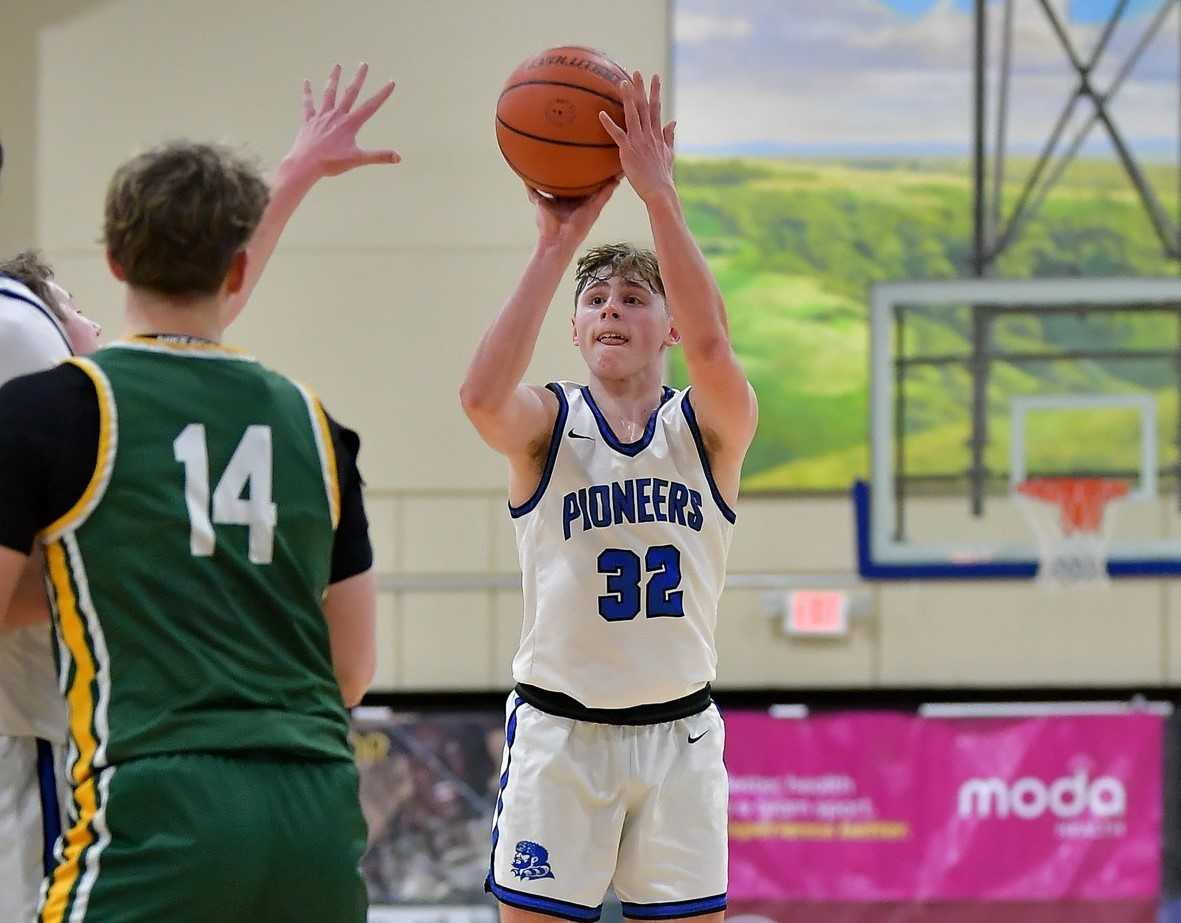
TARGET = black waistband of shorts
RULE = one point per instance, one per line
(562, 705)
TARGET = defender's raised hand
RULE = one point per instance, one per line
(645, 147)
(326, 144)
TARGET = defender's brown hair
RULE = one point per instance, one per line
(177, 214)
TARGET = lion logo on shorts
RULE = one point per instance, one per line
(531, 863)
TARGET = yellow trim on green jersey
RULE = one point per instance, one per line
(81, 700)
(327, 451)
(108, 437)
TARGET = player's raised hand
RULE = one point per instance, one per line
(568, 221)
(645, 147)
(326, 144)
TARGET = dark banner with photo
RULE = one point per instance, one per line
(428, 788)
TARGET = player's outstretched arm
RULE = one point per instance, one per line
(326, 145)
(350, 609)
(722, 397)
(511, 416)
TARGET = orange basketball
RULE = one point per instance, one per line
(547, 120)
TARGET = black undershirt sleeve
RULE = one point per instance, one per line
(351, 554)
(48, 446)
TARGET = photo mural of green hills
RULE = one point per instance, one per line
(796, 245)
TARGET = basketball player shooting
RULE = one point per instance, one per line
(621, 492)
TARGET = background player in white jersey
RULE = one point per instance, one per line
(621, 492)
(40, 326)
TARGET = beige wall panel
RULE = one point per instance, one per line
(1171, 634)
(384, 511)
(445, 534)
(754, 652)
(508, 637)
(802, 535)
(1137, 521)
(228, 70)
(1015, 633)
(21, 92)
(447, 641)
(1170, 517)
(948, 522)
(504, 537)
(389, 643)
(18, 126)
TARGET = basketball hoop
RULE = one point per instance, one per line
(1072, 545)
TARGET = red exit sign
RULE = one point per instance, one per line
(818, 613)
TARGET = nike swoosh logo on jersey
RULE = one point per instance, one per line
(694, 740)
(574, 435)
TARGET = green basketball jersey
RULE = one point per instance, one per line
(187, 581)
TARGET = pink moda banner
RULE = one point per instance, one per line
(881, 807)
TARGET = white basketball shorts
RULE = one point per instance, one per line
(31, 798)
(584, 806)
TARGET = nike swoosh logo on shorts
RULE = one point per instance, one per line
(694, 740)
(574, 435)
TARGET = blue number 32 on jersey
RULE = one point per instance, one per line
(624, 570)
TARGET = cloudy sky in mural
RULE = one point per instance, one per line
(895, 76)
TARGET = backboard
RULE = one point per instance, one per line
(977, 385)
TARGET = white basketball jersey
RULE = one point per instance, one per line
(31, 340)
(623, 556)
